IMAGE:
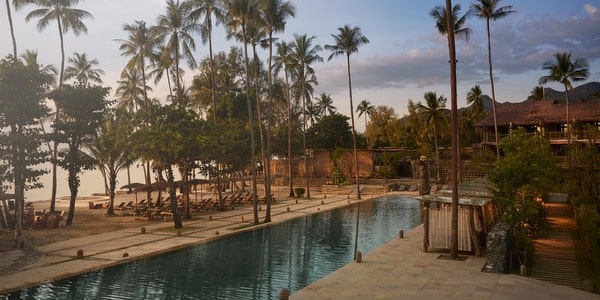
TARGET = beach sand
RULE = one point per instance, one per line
(86, 222)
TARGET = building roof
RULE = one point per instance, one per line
(541, 112)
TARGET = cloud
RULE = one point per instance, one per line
(520, 44)
(591, 10)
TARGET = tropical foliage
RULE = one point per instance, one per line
(520, 181)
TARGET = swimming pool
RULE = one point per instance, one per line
(252, 265)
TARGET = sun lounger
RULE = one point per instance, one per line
(94, 206)
(121, 206)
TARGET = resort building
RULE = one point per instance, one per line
(547, 118)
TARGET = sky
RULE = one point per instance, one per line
(406, 56)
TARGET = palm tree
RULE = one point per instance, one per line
(564, 70)
(475, 99)
(208, 9)
(82, 69)
(274, 14)
(537, 93)
(30, 59)
(489, 10)
(67, 18)
(130, 91)
(110, 149)
(304, 55)
(365, 107)
(176, 27)
(324, 105)
(439, 14)
(285, 61)
(140, 43)
(17, 4)
(163, 66)
(434, 115)
(347, 42)
(447, 17)
(239, 11)
(312, 112)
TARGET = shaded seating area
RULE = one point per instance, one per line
(475, 217)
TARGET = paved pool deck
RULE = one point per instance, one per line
(396, 270)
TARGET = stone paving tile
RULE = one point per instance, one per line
(397, 270)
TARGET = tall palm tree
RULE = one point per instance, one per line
(238, 14)
(489, 10)
(130, 90)
(304, 54)
(475, 99)
(460, 31)
(176, 27)
(82, 69)
(434, 115)
(365, 108)
(140, 43)
(564, 70)
(448, 17)
(324, 104)
(274, 14)
(207, 9)
(68, 19)
(347, 42)
(285, 61)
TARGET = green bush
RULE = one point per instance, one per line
(299, 192)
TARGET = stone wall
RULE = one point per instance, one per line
(499, 241)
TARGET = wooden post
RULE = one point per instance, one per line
(425, 214)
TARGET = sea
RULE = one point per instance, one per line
(91, 182)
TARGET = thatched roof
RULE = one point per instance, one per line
(541, 112)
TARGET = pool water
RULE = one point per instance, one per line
(251, 265)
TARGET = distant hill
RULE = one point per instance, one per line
(585, 92)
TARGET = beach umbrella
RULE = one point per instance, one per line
(134, 186)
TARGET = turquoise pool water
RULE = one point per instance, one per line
(251, 265)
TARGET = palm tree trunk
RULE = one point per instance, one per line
(212, 71)
(263, 146)
(251, 128)
(147, 107)
(111, 192)
(289, 113)
(353, 132)
(568, 129)
(268, 129)
(454, 130)
(173, 197)
(12, 30)
(437, 156)
(493, 91)
(177, 79)
(57, 115)
(302, 82)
